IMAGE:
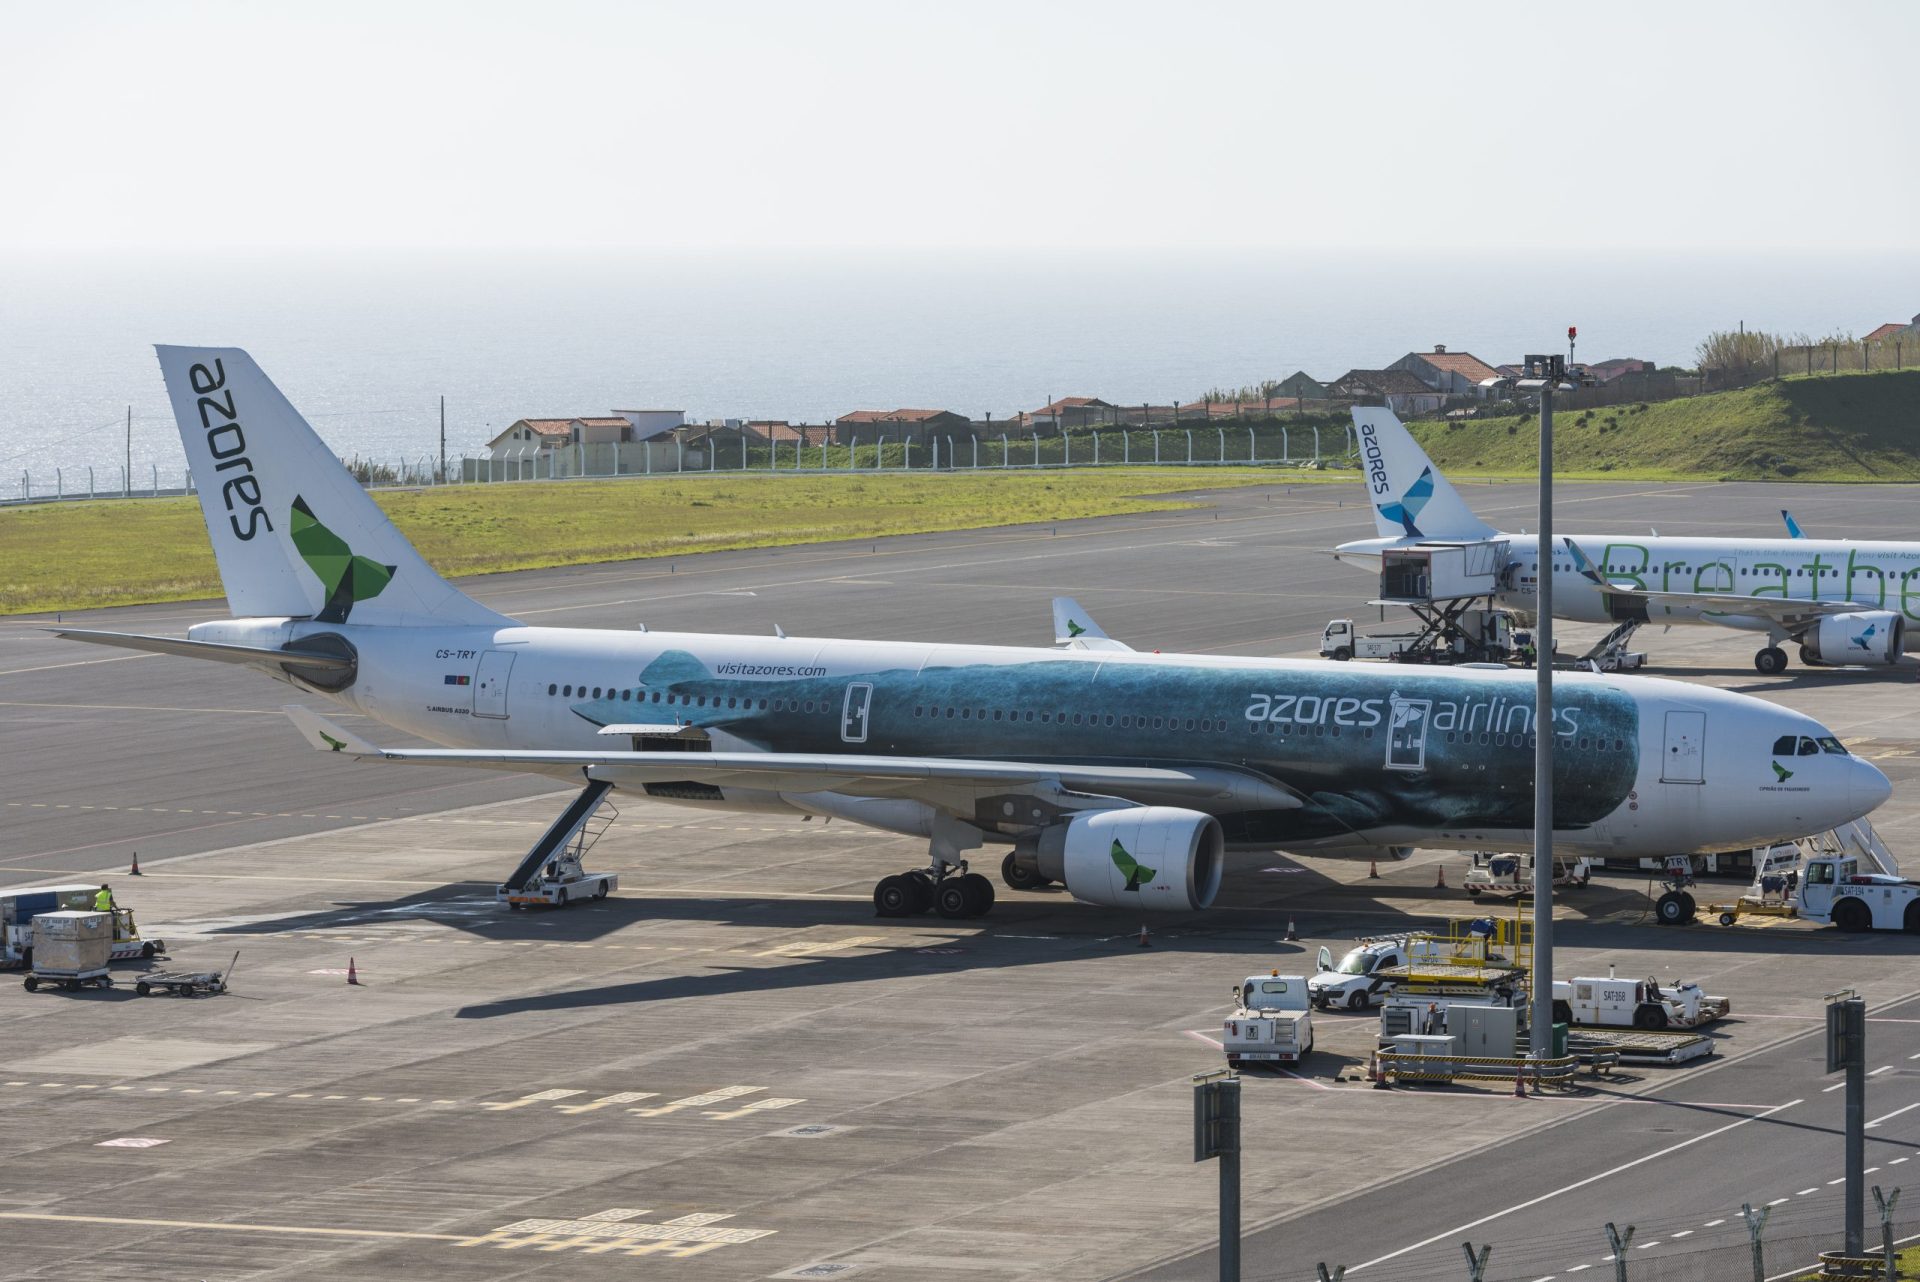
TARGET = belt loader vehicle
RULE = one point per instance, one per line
(1271, 1022)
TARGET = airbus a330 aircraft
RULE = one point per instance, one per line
(1124, 775)
(1845, 603)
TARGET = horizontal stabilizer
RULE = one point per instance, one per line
(217, 650)
(325, 735)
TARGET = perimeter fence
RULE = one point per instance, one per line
(1782, 1237)
(1219, 444)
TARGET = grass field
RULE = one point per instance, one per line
(71, 556)
(1851, 427)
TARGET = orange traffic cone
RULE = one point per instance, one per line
(1292, 934)
(1373, 870)
(1440, 879)
(1144, 941)
(135, 870)
(353, 976)
(1520, 1082)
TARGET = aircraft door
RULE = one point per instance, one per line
(490, 686)
(853, 716)
(1683, 756)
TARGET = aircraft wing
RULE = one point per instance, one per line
(860, 775)
(1794, 615)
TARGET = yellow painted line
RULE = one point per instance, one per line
(229, 1227)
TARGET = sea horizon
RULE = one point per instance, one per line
(366, 342)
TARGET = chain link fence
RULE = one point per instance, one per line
(1771, 1241)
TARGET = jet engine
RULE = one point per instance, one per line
(1852, 640)
(1157, 858)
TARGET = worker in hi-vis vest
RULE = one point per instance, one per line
(103, 900)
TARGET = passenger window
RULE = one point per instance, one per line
(568, 692)
(626, 696)
(1783, 746)
(552, 688)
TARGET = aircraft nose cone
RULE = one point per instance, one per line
(1867, 787)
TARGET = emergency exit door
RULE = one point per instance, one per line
(490, 685)
(1683, 758)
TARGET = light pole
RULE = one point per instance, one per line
(1546, 374)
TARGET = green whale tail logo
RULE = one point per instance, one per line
(1074, 629)
(1780, 772)
(347, 579)
(1136, 873)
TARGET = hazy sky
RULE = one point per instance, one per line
(574, 123)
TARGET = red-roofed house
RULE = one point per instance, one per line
(1449, 373)
(1397, 389)
(868, 426)
(1619, 367)
(1891, 331)
(1066, 414)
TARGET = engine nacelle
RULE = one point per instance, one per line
(1853, 640)
(1156, 858)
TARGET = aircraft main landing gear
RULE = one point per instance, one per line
(953, 894)
(1019, 876)
(1771, 660)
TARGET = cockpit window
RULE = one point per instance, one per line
(1783, 746)
(1830, 744)
(1808, 748)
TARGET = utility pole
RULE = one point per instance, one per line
(128, 474)
(443, 440)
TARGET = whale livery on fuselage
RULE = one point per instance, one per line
(1125, 775)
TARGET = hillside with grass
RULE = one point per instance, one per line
(1846, 427)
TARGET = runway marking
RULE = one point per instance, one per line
(230, 1226)
(616, 1231)
(1887, 1117)
(823, 946)
(135, 707)
(1577, 1184)
(77, 663)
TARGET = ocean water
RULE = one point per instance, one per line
(366, 344)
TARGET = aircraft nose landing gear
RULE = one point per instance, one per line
(1771, 660)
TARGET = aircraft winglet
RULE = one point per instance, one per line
(1793, 526)
(1074, 628)
(1584, 565)
(326, 736)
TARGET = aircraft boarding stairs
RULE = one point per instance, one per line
(571, 836)
(1858, 839)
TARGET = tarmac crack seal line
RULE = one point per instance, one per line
(1493, 1145)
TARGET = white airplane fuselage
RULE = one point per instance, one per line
(1646, 766)
(1875, 576)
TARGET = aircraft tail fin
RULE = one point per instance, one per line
(294, 534)
(1793, 526)
(1074, 628)
(1411, 499)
